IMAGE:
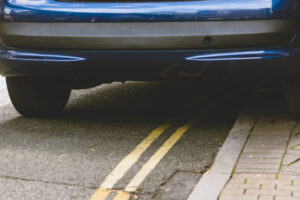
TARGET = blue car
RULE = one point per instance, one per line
(49, 47)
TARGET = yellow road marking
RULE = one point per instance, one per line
(101, 194)
(127, 162)
(121, 195)
(159, 154)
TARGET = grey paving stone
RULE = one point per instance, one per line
(294, 152)
(266, 197)
(270, 142)
(262, 155)
(255, 171)
(251, 149)
(270, 133)
(290, 158)
(287, 198)
(291, 162)
(260, 160)
(295, 141)
(258, 166)
(258, 145)
(268, 146)
(290, 170)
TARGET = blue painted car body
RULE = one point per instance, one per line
(150, 64)
(53, 11)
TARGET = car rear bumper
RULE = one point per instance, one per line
(147, 35)
(112, 46)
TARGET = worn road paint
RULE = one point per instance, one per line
(127, 162)
(101, 194)
(121, 195)
(155, 159)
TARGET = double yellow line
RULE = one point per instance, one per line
(120, 170)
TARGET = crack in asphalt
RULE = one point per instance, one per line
(47, 182)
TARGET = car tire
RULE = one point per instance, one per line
(291, 89)
(33, 97)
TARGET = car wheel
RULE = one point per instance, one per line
(291, 90)
(34, 97)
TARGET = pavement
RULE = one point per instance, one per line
(135, 140)
(268, 167)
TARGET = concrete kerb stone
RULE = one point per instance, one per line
(213, 181)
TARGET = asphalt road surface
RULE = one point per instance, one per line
(71, 156)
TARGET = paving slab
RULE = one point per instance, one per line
(291, 161)
(257, 143)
